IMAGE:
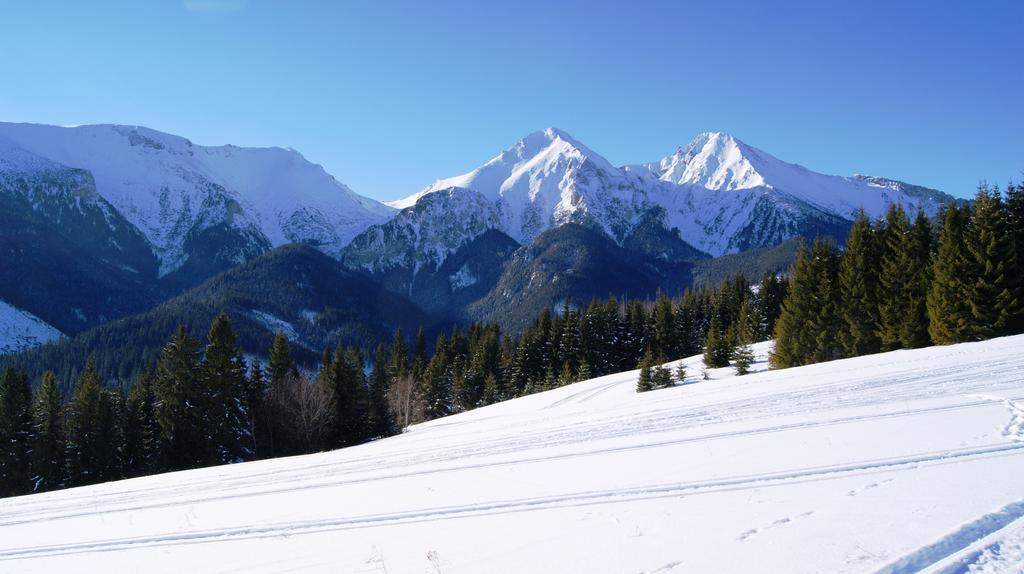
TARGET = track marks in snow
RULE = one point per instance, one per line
(337, 474)
(873, 485)
(957, 540)
(774, 524)
(1014, 430)
(568, 500)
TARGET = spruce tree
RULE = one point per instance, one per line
(717, 346)
(86, 418)
(1015, 221)
(742, 359)
(179, 400)
(806, 331)
(918, 255)
(437, 390)
(381, 419)
(995, 304)
(15, 433)
(948, 303)
(661, 376)
(142, 431)
(281, 364)
(858, 290)
(646, 381)
(48, 443)
(224, 393)
(895, 276)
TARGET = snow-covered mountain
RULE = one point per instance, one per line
(906, 461)
(21, 330)
(177, 193)
(721, 194)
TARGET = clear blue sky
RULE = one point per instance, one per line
(390, 96)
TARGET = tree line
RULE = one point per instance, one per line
(897, 284)
(906, 284)
(203, 403)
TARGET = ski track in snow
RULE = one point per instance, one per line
(898, 462)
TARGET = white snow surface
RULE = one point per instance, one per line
(165, 185)
(709, 190)
(20, 330)
(897, 462)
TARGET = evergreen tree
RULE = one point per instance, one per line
(665, 342)
(681, 373)
(1015, 221)
(225, 402)
(918, 253)
(646, 381)
(858, 290)
(894, 277)
(806, 329)
(381, 419)
(742, 359)
(437, 389)
(142, 431)
(87, 417)
(48, 443)
(179, 399)
(661, 376)
(995, 304)
(15, 433)
(281, 364)
(948, 303)
(717, 346)
(351, 397)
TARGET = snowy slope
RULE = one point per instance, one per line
(897, 462)
(172, 189)
(22, 330)
(723, 195)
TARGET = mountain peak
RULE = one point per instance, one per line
(714, 160)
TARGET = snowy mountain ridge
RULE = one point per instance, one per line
(720, 193)
(173, 190)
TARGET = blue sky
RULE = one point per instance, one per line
(390, 96)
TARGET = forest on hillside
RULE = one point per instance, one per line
(898, 283)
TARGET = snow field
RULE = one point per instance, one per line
(895, 462)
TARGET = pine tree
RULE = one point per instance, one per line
(84, 448)
(806, 331)
(995, 306)
(665, 342)
(142, 431)
(223, 385)
(179, 400)
(437, 390)
(1015, 222)
(281, 364)
(48, 443)
(717, 346)
(661, 376)
(948, 303)
(381, 419)
(858, 290)
(894, 277)
(917, 255)
(646, 381)
(681, 373)
(15, 433)
(351, 398)
(742, 359)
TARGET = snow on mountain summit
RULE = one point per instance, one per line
(720, 193)
(172, 189)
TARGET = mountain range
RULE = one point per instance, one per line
(103, 222)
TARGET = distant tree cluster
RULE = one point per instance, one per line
(906, 284)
